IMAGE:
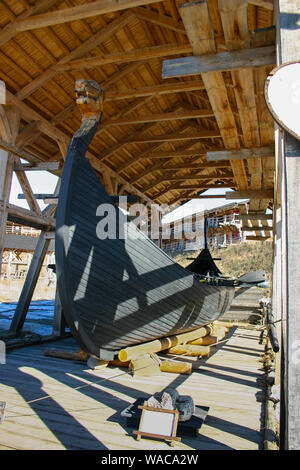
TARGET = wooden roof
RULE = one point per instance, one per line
(155, 132)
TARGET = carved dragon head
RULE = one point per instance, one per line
(89, 98)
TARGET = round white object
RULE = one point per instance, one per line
(282, 95)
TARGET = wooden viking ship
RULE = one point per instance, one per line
(123, 290)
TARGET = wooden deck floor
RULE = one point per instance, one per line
(58, 404)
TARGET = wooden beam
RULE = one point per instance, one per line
(78, 12)
(197, 177)
(172, 177)
(200, 186)
(195, 166)
(56, 134)
(164, 89)
(159, 19)
(203, 134)
(256, 152)
(173, 154)
(159, 117)
(176, 187)
(28, 134)
(22, 216)
(234, 17)
(37, 196)
(260, 194)
(77, 53)
(256, 229)
(30, 283)
(196, 17)
(137, 134)
(9, 31)
(17, 151)
(219, 62)
(257, 238)
(134, 55)
(254, 217)
(44, 166)
(191, 196)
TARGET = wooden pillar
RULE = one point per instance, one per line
(30, 282)
(9, 125)
(288, 42)
(59, 324)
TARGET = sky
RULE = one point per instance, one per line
(40, 181)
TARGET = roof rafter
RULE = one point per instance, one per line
(77, 53)
(78, 12)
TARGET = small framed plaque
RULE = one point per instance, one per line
(158, 423)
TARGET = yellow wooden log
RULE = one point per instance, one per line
(206, 341)
(118, 363)
(144, 366)
(227, 324)
(161, 344)
(219, 331)
(176, 367)
(190, 350)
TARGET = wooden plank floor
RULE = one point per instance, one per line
(58, 404)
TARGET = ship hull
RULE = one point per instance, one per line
(121, 291)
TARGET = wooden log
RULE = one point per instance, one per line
(219, 62)
(44, 166)
(78, 12)
(146, 53)
(176, 367)
(219, 331)
(196, 17)
(190, 350)
(165, 88)
(26, 217)
(67, 354)
(118, 363)
(159, 117)
(227, 324)
(96, 364)
(259, 194)
(206, 341)
(255, 152)
(161, 344)
(176, 136)
(144, 366)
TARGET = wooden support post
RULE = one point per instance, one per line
(5, 183)
(9, 125)
(59, 323)
(288, 36)
(30, 283)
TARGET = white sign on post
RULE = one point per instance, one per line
(282, 95)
